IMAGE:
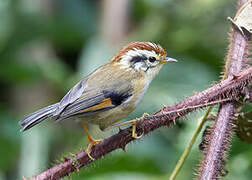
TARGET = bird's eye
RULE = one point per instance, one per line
(152, 59)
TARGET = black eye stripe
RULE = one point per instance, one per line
(136, 59)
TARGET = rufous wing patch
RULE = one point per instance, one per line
(103, 104)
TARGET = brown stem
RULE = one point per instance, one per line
(230, 87)
(219, 144)
(214, 159)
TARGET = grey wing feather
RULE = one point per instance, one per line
(71, 96)
(53, 110)
(95, 96)
(38, 116)
(83, 103)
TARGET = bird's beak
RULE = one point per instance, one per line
(168, 59)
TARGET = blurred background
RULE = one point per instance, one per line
(46, 46)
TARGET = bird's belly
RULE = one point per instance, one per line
(106, 118)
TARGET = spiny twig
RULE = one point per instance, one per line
(218, 144)
(230, 87)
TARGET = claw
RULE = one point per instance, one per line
(134, 134)
(90, 145)
(145, 115)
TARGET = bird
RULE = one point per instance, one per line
(108, 94)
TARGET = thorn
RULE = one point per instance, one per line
(123, 147)
(242, 115)
(235, 76)
(246, 93)
(211, 117)
(201, 147)
(168, 124)
(174, 122)
(237, 115)
(164, 106)
(120, 130)
(65, 159)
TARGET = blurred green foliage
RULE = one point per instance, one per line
(46, 46)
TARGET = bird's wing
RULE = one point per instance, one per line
(71, 96)
(96, 99)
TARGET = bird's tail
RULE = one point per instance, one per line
(38, 116)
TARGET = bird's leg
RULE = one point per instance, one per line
(92, 141)
(133, 123)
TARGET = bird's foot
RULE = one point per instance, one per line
(92, 142)
(134, 124)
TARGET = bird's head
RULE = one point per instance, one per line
(142, 56)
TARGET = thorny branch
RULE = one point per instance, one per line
(221, 92)
(217, 143)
